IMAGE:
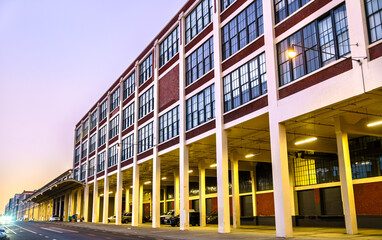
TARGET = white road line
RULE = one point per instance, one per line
(26, 229)
(52, 230)
(10, 229)
(64, 229)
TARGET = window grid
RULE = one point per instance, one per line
(146, 102)
(245, 83)
(114, 103)
(75, 174)
(114, 127)
(225, 3)
(243, 29)
(85, 128)
(145, 69)
(102, 136)
(84, 149)
(169, 47)
(129, 86)
(128, 116)
(284, 8)
(169, 125)
(374, 19)
(198, 19)
(93, 120)
(145, 138)
(128, 147)
(113, 156)
(201, 107)
(103, 111)
(200, 61)
(92, 143)
(78, 134)
(101, 161)
(83, 171)
(77, 155)
(264, 179)
(91, 167)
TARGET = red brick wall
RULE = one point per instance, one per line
(265, 204)
(368, 198)
(169, 88)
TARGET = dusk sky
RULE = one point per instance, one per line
(57, 58)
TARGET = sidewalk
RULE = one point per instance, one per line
(210, 232)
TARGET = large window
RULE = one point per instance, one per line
(225, 3)
(128, 147)
(91, 167)
(84, 149)
(114, 102)
(75, 174)
(264, 179)
(146, 102)
(101, 161)
(77, 155)
(169, 124)
(114, 127)
(328, 36)
(93, 120)
(200, 61)
(78, 134)
(92, 143)
(201, 107)
(374, 18)
(198, 19)
(83, 171)
(102, 136)
(145, 69)
(169, 47)
(128, 116)
(243, 29)
(113, 156)
(129, 86)
(284, 8)
(85, 128)
(103, 111)
(145, 138)
(245, 83)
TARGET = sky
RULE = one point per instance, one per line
(57, 58)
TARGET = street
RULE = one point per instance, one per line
(44, 230)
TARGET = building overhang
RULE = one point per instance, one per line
(56, 190)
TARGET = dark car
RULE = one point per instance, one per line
(194, 219)
(3, 234)
(127, 217)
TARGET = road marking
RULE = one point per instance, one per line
(46, 236)
(64, 229)
(10, 229)
(52, 230)
(93, 235)
(26, 229)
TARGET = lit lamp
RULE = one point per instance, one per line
(291, 53)
(372, 124)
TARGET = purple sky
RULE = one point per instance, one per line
(57, 58)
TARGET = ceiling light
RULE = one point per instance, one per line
(252, 155)
(131, 186)
(164, 178)
(148, 182)
(213, 165)
(101, 195)
(374, 124)
(110, 192)
(305, 141)
(190, 171)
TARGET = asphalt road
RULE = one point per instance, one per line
(41, 230)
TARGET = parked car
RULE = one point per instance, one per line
(194, 219)
(111, 219)
(3, 234)
(31, 220)
(165, 217)
(127, 217)
(54, 218)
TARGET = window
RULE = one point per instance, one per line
(245, 83)
(77, 155)
(146, 102)
(113, 156)
(102, 136)
(169, 124)
(75, 174)
(83, 171)
(200, 61)
(201, 107)
(114, 127)
(92, 143)
(145, 69)
(374, 16)
(264, 179)
(128, 147)
(114, 103)
(84, 148)
(101, 161)
(284, 8)
(328, 35)
(145, 138)
(78, 134)
(128, 116)
(91, 167)
(169, 47)
(243, 29)
(129, 86)
(225, 3)
(85, 128)
(198, 19)
(103, 111)
(93, 120)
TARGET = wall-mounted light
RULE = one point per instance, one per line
(311, 139)
(372, 124)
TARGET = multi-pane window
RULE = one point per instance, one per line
(84, 149)
(374, 18)
(101, 161)
(198, 19)
(128, 116)
(85, 128)
(243, 29)
(145, 69)
(225, 3)
(264, 179)
(77, 155)
(91, 167)
(169, 124)
(113, 156)
(200, 61)
(129, 86)
(169, 47)
(324, 40)
(103, 111)
(128, 147)
(83, 171)
(201, 107)
(92, 143)
(146, 102)
(284, 8)
(245, 83)
(102, 136)
(93, 120)
(75, 174)
(78, 134)
(145, 138)
(114, 102)
(114, 127)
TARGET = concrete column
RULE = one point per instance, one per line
(71, 203)
(346, 179)
(127, 199)
(202, 194)
(165, 199)
(140, 204)
(86, 203)
(235, 193)
(184, 203)
(66, 207)
(79, 198)
(156, 193)
(118, 198)
(176, 192)
(106, 199)
(136, 202)
(95, 215)
(254, 203)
